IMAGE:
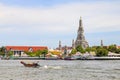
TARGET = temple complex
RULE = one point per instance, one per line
(80, 40)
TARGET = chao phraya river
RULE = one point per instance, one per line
(61, 70)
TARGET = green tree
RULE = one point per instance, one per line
(80, 49)
(2, 51)
(44, 52)
(101, 52)
(112, 48)
(31, 54)
(2, 54)
(10, 53)
(93, 49)
(88, 49)
(118, 51)
(73, 51)
(38, 53)
(99, 47)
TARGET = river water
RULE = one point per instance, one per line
(61, 70)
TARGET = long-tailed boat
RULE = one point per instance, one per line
(30, 64)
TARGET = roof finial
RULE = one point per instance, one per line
(80, 18)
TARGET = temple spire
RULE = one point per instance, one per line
(101, 43)
(73, 44)
(80, 22)
(80, 25)
(80, 41)
(60, 46)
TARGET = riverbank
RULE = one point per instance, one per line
(53, 58)
(106, 58)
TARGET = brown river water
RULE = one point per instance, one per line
(61, 70)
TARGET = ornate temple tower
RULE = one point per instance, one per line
(101, 43)
(60, 46)
(73, 44)
(80, 36)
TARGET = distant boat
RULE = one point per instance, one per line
(32, 64)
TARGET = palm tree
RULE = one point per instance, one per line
(3, 51)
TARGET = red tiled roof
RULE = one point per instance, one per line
(26, 48)
(118, 46)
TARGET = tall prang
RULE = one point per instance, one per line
(80, 40)
(60, 46)
(73, 44)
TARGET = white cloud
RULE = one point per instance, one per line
(63, 17)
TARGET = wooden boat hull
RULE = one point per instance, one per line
(30, 65)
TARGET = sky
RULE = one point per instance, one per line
(45, 22)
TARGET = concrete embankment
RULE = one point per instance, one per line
(106, 58)
(42, 58)
(28, 58)
(35, 58)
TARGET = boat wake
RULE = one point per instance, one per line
(52, 67)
